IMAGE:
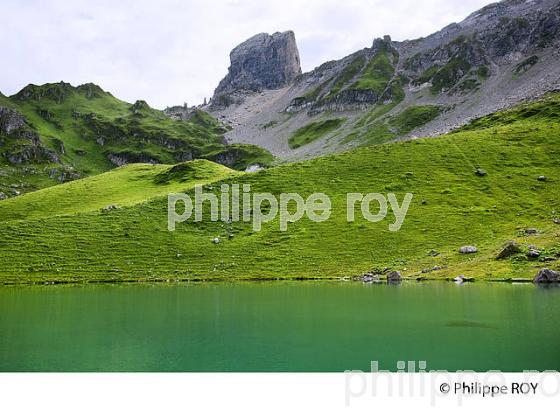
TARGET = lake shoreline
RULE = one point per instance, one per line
(255, 280)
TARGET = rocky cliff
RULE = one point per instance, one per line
(500, 55)
(263, 62)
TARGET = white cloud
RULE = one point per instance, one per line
(171, 51)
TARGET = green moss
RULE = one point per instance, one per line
(313, 131)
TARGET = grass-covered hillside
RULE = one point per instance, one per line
(56, 132)
(123, 187)
(453, 205)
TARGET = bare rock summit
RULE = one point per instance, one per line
(263, 62)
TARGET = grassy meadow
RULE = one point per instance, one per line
(61, 234)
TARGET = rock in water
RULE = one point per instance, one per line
(468, 249)
(547, 276)
(459, 279)
(394, 276)
(264, 62)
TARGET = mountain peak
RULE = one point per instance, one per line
(58, 91)
(264, 61)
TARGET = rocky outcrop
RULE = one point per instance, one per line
(263, 62)
(502, 55)
(547, 276)
(24, 144)
(64, 174)
(509, 249)
(123, 158)
(56, 92)
(345, 87)
(10, 120)
(30, 153)
(180, 112)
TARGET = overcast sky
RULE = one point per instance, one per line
(171, 51)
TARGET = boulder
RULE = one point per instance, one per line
(459, 279)
(480, 172)
(533, 253)
(531, 231)
(541, 178)
(394, 276)
(110, 208)
(3, 196)
(370, 277)
(547, 276)
(462, 278)
(468, 249)
(509, 249)
(216, 240)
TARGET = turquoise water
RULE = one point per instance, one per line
(295, 326)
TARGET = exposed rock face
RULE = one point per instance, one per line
(263, 62)
(123, 158)
(10, 120)
(499, 56)
(64, 174)
(179, 112)
(28, 147)
(342, 92)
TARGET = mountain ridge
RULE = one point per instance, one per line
(500, 55)
(57, 132)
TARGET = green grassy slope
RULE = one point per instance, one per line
(87, 127)
(123, 187)
(313, 131)
(452, 206)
